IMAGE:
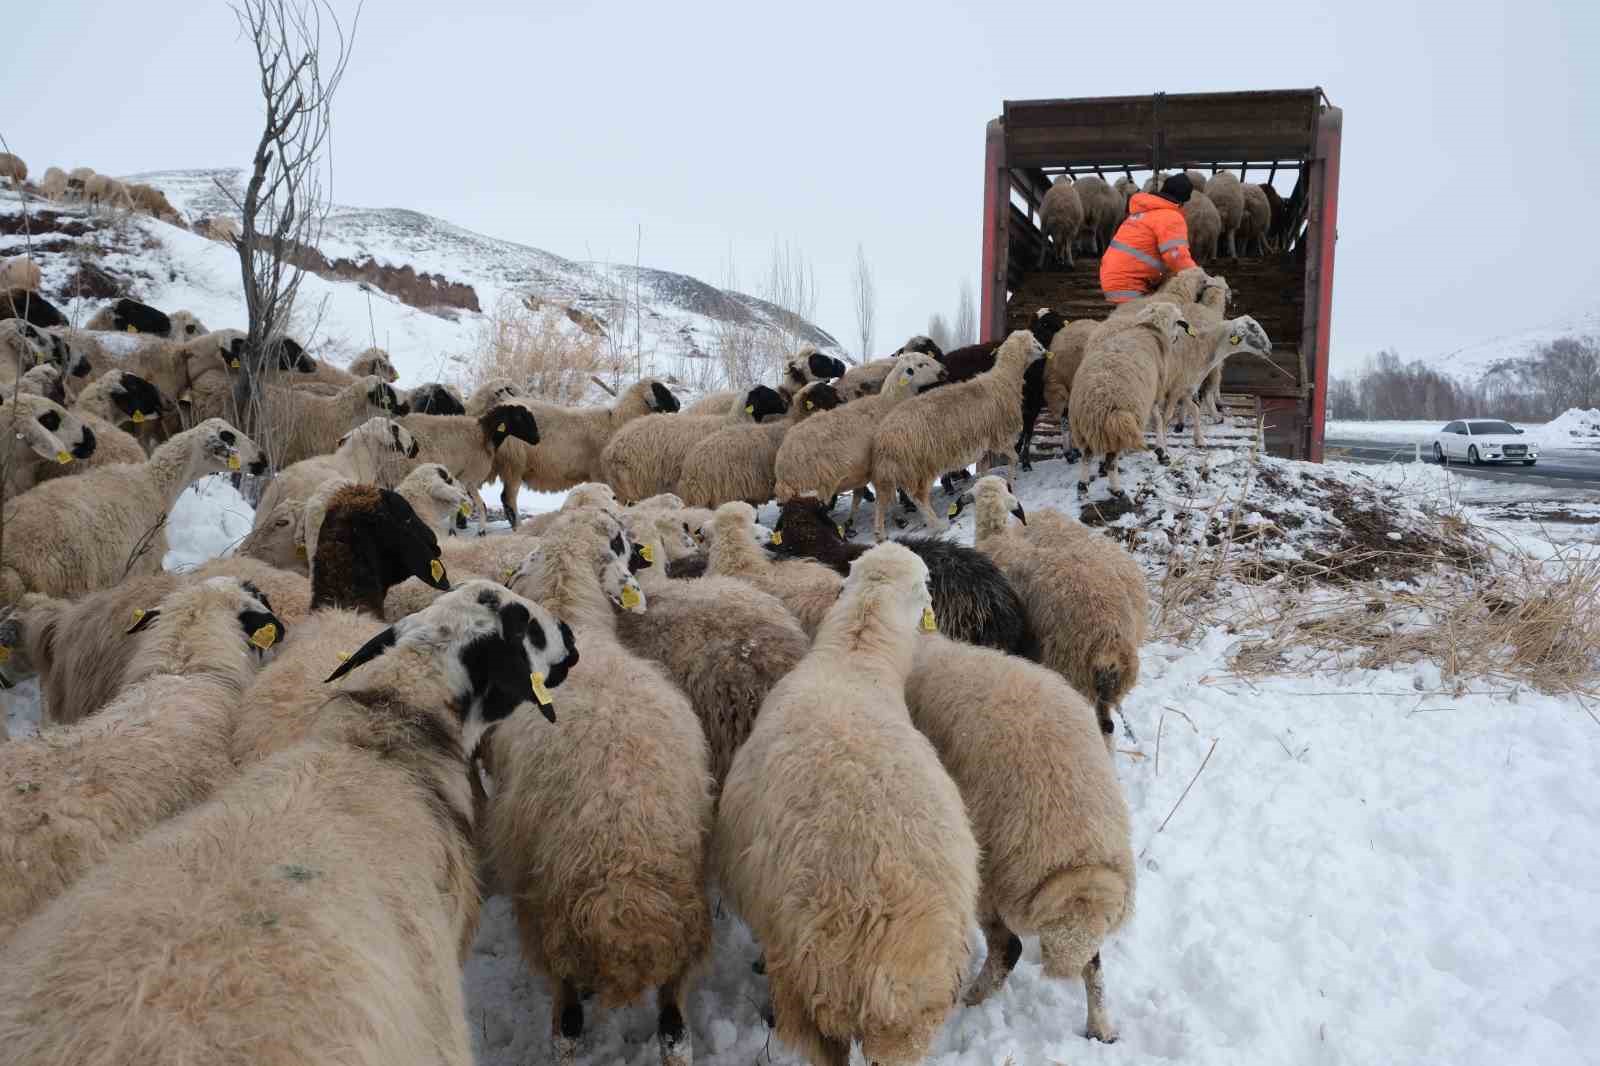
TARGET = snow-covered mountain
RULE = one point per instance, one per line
(678, 318)
(1471, 361)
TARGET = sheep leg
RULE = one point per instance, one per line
(880, 511)
(1083, 471)
(906, 503)
(1192, 413)
(855, 505)
(1005, 948)
(566, 1022)
(1116, 479)
(935, 521)
(671, 1030)
(1165, 417)
(508, 500)
(1099, 1025)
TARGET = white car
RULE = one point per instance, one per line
(1483, 440)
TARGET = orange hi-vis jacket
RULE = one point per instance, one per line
(1152, 242)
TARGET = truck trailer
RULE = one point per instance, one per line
(1288, 139)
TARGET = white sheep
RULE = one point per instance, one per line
(808, 589)
(945, 429)
(157, 749)
(843, 843)
(380, 452)
(39, 432)
(572, 438)
(799, 370)
(1226, 193)
(736, 462)
(12, 167)
(1103, 211)
(69, 537)
(832, 452)
(20, 272)
(343, 872)
(1255, 219)
(1048, 815)
(1205, 226)
(601, 845)
(646, 456)
(1060, 218)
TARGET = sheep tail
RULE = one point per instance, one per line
(1123, 431)
(1075, 910)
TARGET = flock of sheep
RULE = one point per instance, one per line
(271, 793)
(84, 185)
(1224, 215)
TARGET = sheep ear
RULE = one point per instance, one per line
(365, 654)
(142, 620)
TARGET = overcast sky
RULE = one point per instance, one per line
(1472, 131)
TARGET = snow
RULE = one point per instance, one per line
(209, 518)
(1573, 428)
(1470, 362)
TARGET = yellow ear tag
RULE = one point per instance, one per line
(233, 461)
(1234, 339)
(749, 408)
(630, 597)
(1189, 330)
(540, 693)
(133, 329)
(265, 637)
(5, 653)
(138, 418)
(810, 406)
(501, 428)
(63, 458)
(777, 536)
(647, 553)
(466, 510)
(300, 550)
(954, 510)
(840, 529)
(436, 568)
(344, 656)
(930, 624)
(138, 616)
(234, 363)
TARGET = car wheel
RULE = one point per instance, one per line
(1472, 455)
(1438, 455)
(1529, 462)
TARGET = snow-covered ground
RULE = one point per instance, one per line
(1575, 428)
(1369, 868)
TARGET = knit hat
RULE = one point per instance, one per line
(1177, 188)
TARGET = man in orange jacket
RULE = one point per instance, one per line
(1152, 242)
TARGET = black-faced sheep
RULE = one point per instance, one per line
(160, 747)
(808, 589)
(864, 919)
(371, 540)
(434, 398)
(1046, 809)
(948, 428)
(69, 537)
(598, 826)
(801, 369)
(971, 597)
(573, 438)
(646, 456)
(736, 462)
(343, 872)
(1085, 595)
(31, 308)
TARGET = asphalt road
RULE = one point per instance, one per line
(1555, 469)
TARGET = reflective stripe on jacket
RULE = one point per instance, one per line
(1152, 242)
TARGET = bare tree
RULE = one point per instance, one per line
(301, 50)
(863, 290)
(965, 330)
(791, 285)
(939, 332)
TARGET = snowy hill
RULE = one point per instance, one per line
(1470, 362)
(678, 316)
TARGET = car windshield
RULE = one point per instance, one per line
(1480, 429)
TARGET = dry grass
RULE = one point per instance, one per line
(537, 348)
(1479, 608)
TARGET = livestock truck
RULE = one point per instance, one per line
(1286, 138)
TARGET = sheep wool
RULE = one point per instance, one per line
(1226, 193)
(808, 589)
(1117, 386)
(864, 920)
(1049, 817)
(598, 826)
(948, 428)
(321, 905)
(736, 462)
(1086, 596)
(1205, 225)
(1256, 219)
(1060, 218)
(73, 794)
(20, 272)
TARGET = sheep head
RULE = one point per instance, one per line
(817, 396)
(925, 345)
(218, 446)
(499, 651)
(891, 584)
(202, 604)
(136, 399)
(763, 401)
(509, 420)
(913, 373)
(660, 399)
(49, 430)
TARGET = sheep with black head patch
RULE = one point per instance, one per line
(736, 462)
(322, 903)
(74, 793)
(646, 457)
(801, 369)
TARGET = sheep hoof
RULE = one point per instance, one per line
(1073, 455)
(1106, 1034)
(1026, 466)
(1083, 486)
(759, 966)
(1161, 457)
(899, 523)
